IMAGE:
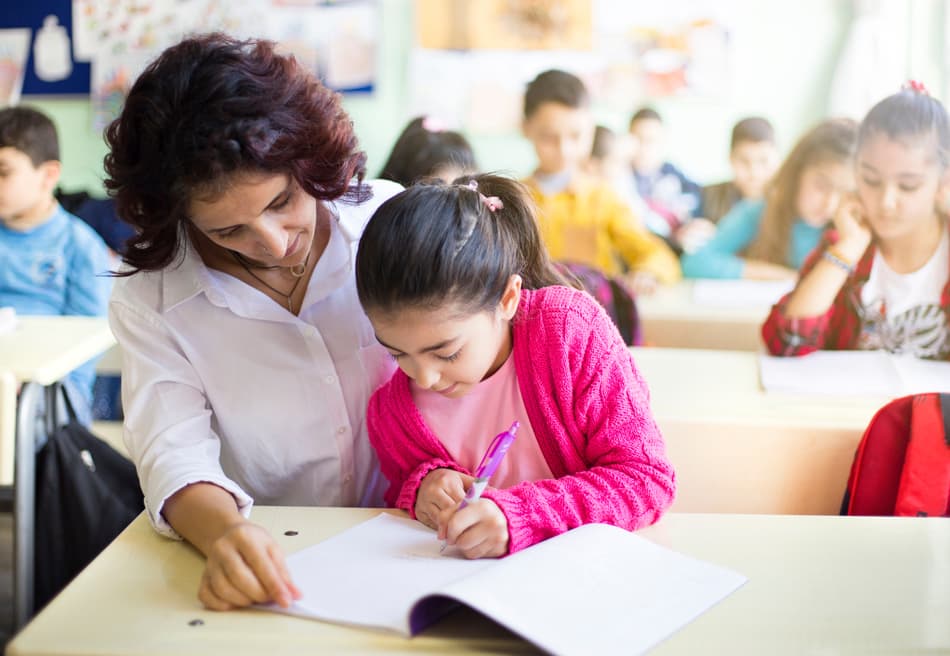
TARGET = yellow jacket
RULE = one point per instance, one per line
(588, 223)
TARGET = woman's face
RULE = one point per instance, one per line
(266, 217)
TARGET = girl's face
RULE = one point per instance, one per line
(267, 218)
(898, 184)
(820, 188)
(445, 351)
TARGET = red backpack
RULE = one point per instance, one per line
(902, 465)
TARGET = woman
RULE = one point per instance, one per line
(248, 362)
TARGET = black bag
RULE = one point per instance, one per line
(86, 494)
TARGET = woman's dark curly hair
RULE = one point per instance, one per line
(212, 106)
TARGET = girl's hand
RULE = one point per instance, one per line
(440, 493)
(642, 283)
(694, 234)
(854, 234)
(479, 530)
(245, 566)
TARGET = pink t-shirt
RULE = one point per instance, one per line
(466, 426)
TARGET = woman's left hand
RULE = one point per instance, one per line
(479, 530)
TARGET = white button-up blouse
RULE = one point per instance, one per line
(221, 384)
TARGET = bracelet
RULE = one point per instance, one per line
(833, 256)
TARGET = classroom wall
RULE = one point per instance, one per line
(783, 63)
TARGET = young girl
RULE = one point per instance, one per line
(880, 280)
(459, 289)
(777, 234)
(426, 150)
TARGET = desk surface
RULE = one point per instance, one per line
(672, 317)
(45, 349)
(736, 448)
(723, 386)
(816, 585)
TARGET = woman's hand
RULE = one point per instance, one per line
(854, 233)
(479, 530)
(245, 566)
(440, 493)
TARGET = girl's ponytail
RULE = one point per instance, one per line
(459, 244)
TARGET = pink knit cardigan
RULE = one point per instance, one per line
(590, 412)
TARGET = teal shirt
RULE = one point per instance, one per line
(735, 231)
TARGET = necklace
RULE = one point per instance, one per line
(297, 271)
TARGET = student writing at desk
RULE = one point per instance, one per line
(248, 362)
(881, 279)
(457, 284)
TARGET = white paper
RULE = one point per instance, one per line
(595, 590)
(740, 293)
(853, 373)
(7, 320)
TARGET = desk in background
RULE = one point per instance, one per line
(738, 449)
(38, 353)
(708, 314)
(816, 584)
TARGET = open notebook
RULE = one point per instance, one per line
(854, 373)
(597, 589)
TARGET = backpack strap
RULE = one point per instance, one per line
(924, 489)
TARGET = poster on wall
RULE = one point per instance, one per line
(14, 48)
(99, 47)
(471, 61)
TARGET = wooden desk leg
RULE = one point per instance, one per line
(24, 490)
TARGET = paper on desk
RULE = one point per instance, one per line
(7, 320)
(853, 373)
(740, 293)
(597, 589)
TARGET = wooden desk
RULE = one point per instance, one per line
(39, 352)
(817, 585)
(671, 317)
(736, 448)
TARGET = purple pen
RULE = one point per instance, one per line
(489, 464)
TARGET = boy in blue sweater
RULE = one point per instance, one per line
(52, 262)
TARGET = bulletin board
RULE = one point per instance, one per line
(30, 14)
(109, 42)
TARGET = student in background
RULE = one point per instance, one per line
(582, 220)
(769, 239)
(247, 360)
(753, 158)
(457, 284)
(670, 194)
(881, 278)
(426, 150)
(51, 263)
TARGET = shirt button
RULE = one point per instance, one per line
(311, 331)
(341, 430)
(347, 478)
(215, 298)
(330, 380)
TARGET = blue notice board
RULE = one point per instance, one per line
(30, 13)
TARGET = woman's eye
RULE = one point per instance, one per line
(871, 183)
(910, 189)
(281, 204)
(229, 233)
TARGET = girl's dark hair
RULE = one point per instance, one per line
(909, 114)
(435, 245)
(208, 108)
(419, 152)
